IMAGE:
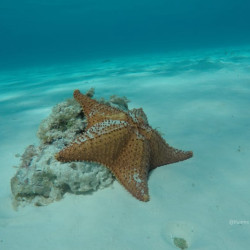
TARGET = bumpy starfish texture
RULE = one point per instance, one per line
(123, 142)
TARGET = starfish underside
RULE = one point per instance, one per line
(123, 142)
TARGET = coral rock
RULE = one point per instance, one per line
(40, 179)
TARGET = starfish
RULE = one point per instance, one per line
(123, 142)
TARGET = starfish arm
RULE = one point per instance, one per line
(131, 167)
(101, 143)
(97, 112)
(162, 153)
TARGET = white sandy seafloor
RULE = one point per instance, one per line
(199, 100)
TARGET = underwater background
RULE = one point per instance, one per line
(40, 32)
(185, 62)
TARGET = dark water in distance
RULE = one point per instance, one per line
(35, 31)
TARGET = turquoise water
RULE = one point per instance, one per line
(187, 64)
(36, 32)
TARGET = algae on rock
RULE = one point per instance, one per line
(65, 121)
(40, 178)
(46, 180)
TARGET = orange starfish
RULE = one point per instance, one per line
(123, 142)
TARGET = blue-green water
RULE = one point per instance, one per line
(45, 31)
(187, 64)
